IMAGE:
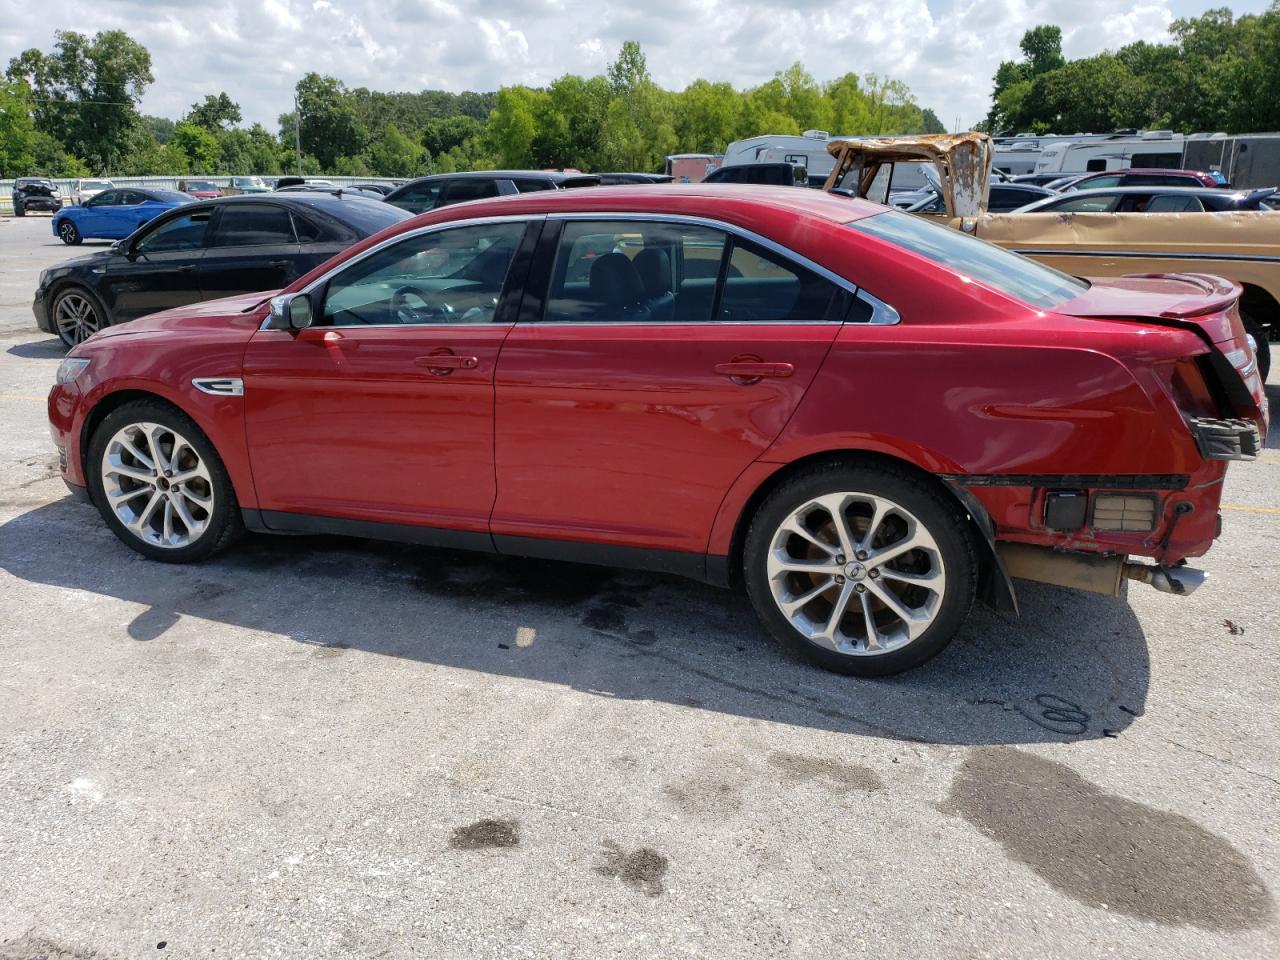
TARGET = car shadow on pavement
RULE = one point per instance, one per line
(1075, 666)
(51, 349)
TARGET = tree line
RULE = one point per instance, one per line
(73, 111)
(1218, 72)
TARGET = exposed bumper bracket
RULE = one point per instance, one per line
(1226, 439)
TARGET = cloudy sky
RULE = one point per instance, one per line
(255, 50)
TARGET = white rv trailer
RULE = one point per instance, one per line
(810, 150)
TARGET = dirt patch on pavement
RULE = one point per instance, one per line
(484, 834)
(842, 777)
(641, 869)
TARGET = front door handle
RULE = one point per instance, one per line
(186, 267)
(753, 370)
(278, 263)
(444, 363)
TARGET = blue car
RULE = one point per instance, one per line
(114, 214)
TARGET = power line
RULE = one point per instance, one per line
(104, 103)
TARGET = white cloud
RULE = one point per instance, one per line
(255, 50)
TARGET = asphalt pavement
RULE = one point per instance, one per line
(327, 748)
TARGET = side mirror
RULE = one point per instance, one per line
(290, 311)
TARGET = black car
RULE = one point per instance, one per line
(771, 174)
(442, 189)
(614, 179)
(1002, 198)
(35, 193)
(332, 190)
(201, 251)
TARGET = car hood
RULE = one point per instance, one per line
(86, 260)
(237, 311)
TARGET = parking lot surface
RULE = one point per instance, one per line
(316, 747)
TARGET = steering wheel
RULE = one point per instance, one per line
(429, 308)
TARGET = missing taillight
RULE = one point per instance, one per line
(1190, 389)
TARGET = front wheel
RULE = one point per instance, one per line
(160, 485)
(77, 315)
(19, 210)
(68, 233)
(864, 570)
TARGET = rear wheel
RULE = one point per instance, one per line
(160, 485)
(865, 570)
(19, 210)
(68, 233)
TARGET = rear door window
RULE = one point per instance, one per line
(531, 184)
(1175, 203)
(1088, 204)
(419, 197)
(470, 188)
(257, 224)
(658, 272)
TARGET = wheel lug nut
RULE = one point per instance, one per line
(862, 554)
(860, 588)
(839, 579)
(875, 574)
(839, 558)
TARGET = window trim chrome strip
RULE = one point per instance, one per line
(882, 313)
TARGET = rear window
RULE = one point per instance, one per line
(168, 196)
(1019, 277)
(366, 217)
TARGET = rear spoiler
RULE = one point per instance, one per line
(1219, 294)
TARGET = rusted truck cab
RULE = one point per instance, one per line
(1243, 246)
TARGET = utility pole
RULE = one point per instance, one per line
(297, 132)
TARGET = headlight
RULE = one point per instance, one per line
(70, 369)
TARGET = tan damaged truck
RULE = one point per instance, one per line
(1243, 246)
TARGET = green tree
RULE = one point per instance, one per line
(200, 147)
(160, 127)
(215, 113)
(442, 134)
(708, 116)
(330, 126)
(393, 154)
(86, 91)
(512, 126)
(17, 130)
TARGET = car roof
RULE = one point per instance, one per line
(1159, 170)
(1152, 188)
(687, 199)
(553, 175)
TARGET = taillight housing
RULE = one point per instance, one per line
(1189, 389)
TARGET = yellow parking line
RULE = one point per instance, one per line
(1240, 507)
(23, 396)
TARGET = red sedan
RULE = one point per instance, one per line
(865, 419)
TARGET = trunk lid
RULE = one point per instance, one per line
(1203, 304)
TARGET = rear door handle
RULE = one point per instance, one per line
(445, 362)
(279, 263)
(186, 267)
(754, 369)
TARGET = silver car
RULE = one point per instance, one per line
(88, 189)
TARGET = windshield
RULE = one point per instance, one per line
(200, 185)
(248, 181)
(96, 185)
(1012, 274)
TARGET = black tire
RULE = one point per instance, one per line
(68, 233)
(19, 210)
(1259, 334)
(932, 508)
(100, 316)
(225, 524)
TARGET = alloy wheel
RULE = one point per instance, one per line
(157, 485)
(856, 573)
(76, 318)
